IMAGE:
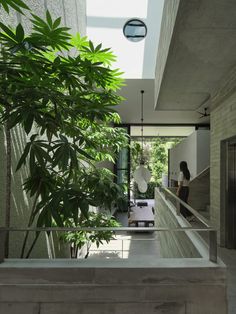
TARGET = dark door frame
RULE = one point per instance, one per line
(224, 189)
(125, 126)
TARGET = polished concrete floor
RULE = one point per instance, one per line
(129, 245)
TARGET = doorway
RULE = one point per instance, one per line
(229, 191)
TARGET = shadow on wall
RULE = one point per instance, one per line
(21, 202)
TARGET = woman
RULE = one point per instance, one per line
(183, 187)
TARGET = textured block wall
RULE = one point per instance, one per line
(172, 244)
(73, 13)
(223, 126)
(199, 196)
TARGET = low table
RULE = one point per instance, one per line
(141, 215)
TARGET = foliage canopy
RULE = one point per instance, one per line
(61, 90)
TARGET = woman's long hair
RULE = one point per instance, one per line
(184, 168)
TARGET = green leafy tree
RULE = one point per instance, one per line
(80, 239)
(64, 102)
(159, 159)
(137, 154)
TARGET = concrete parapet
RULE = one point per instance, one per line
(173, 286)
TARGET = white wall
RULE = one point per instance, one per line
(105, 22)
(203, 150)
(186, 150)
(195, 150)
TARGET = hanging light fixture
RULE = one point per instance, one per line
(142, 175)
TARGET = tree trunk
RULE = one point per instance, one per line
(8, 187)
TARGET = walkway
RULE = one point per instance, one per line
(129, 245)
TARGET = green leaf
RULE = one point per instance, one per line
(23, 157)
(84, 207)
(44, 219)
(83, 153)
(56, 23)
(33, 137)
(91, 46)
(49, 34)
(49, 19)
(28, 123)
(57, 217)
(98, 48)
(8, 31)
(5, 6)
(20, 3)
(79, 42)
(14, 119)
(32, 163)
(20, 33)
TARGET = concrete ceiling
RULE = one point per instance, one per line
(130, 108)
(166, 131)
(201, 52)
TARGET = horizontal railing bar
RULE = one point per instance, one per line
(12, 229)
(193, 211)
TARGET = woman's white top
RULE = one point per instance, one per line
(181, 178)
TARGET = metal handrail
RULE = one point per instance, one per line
(90, 229)
(193, 211)
(212, 232)
(199, 175)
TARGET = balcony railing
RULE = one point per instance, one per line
(178, 201)
(167, 194)
(211, 231)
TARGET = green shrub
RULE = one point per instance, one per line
(149, 194)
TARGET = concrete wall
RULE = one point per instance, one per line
(185, 150)
(105, 287)
(167, 26)
(21, 203)
(223, 126)
(195, 149)
(175, 244)
(73, 15)
(172, 244)
(203, 150)
(199, 196)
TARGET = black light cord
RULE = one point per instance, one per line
(142, 92)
